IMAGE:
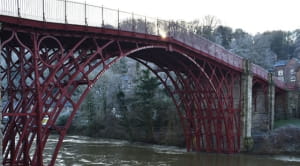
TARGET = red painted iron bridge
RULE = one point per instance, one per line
(51, 48)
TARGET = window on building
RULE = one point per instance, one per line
(280, 73)
(292, 71)
(293, 78)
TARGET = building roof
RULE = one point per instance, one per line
(280, 63)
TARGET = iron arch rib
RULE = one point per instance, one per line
(207, 101)
(44, 69)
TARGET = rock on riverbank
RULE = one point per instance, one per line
(282, 140)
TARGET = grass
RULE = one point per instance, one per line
(280, 123)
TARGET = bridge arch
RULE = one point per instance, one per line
(45, 72)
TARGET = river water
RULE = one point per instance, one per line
(85, 151)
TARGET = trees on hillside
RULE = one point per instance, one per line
(242, 44)
(223, 36)
(281, 44)
(263, 48)
(145, 104)
(296, 36)
(205, 27)
(141, 114)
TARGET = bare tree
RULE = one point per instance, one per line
(210, 21)
(205, 26)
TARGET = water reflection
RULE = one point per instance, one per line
(85, 151)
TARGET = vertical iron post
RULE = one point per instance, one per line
(169, 33)
(66, 21)
(133, 22)
(102, 14)
(85, 16)
(146, 25)
(157, 27)
(39, 107)
(18, 5)
(118, 19)
(44, 18)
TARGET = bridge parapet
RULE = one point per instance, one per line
(214, 50)
(279, 83)
(68, 12)
(259, 71)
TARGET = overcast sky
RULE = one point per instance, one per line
(251, 15)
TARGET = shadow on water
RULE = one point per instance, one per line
(85, 151)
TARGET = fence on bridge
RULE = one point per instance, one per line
(68, 12)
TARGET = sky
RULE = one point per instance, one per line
(253, 16)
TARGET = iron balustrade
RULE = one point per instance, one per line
(69, 12)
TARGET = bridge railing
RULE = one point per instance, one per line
(68, 12)
(279, 83)
(259, 71)
(63, 11)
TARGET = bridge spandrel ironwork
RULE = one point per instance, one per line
(45, 65)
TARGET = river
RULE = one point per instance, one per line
(86, 151)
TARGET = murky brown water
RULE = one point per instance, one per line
(85, 151)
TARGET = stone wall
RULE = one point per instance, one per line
(298, 106)
(280, 106)
(246, 113)
(287, 106)
(260, 115)
(293, 104)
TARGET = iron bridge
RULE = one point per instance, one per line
(49, 49)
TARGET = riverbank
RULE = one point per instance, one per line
(285, 139)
